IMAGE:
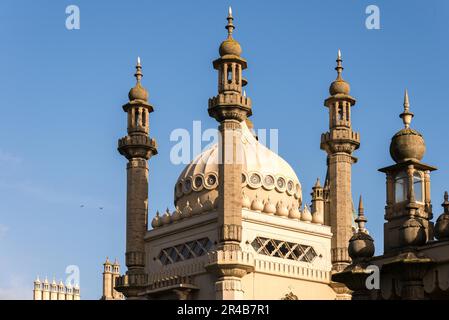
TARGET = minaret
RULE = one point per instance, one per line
(69, 292)
(61, 290)
(138, 148)
(54, 290)
(317, 203)
(46, 290)
(76, 292)
(37, 291)
(107, 280)
(339, 143)
(230, 107)
(408, 211)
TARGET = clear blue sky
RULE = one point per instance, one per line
(61, 93)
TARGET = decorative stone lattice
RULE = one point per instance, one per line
(185, 251)
(284, 249)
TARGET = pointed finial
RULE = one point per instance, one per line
(244, 93)
(138, 73)
(406, 115)
(339, 68)
(317, 183)
(230, 26)
(445, 204)
(361, 219)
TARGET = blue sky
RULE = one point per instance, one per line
(61, 93)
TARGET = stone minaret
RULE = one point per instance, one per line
(61, 290)
(107, 280)
(54, 290)
(317, 203)
(230, 107)
(138, 148)
(37, 291)
(46, 290)
(115, 275)
(339, 143)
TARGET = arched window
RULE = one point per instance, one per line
(418, 187)
(400, 187)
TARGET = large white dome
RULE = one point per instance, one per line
(268, 181)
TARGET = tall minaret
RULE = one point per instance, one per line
(230, 107)
(115, 275)
(138, 148)
(37, 291)
(107, 280)
(339, 143)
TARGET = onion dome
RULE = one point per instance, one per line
(294, 213)
(257, 204)
(264, 174)
(166, 219)
(176, 215)
(407, 144)
(306, 216)
(412, 233)
(269, 207)
(246, 202)
(339, 86)
(138, 92)
(442, 225)
(281, 209)
(361, 244)
(156, 223)
(230, 46)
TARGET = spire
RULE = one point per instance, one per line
(230, 26)
(138, 73)
(445, 204)
(406, 115)
(317, 183)
(339, 68)
(361, 219)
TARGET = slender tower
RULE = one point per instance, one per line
(61, 290)
(138, 148)
(37, 292)
(115, 274)
(107, 280)
(54, 290)
(230, 107)
(339, 143)
(46, 290)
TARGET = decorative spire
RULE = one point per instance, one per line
(230, 26)
(406, 115)
(317, 183)
(138, 73)
(339, 68)
(445, 204)
(361, 219)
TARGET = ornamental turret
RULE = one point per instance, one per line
(408, 210)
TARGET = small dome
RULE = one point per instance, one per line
(230, 47)
(442, 225)
(361, 245)
(138, 92)
(412, 233)
(339, 86)
(407, 144)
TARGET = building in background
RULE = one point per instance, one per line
(55, 291)
(110, 273)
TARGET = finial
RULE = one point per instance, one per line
(244, 93)
(230, 26)
(406, 115)
(138, 73)
(317, 183)
(361, 219)
(339, 68)
(445, 204)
